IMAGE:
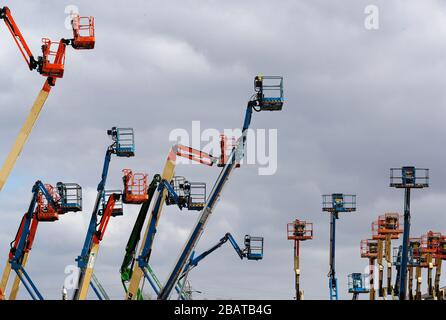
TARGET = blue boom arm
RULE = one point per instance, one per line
(16, 261)
(193, 261)
(82, 259)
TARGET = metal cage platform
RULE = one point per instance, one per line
(135, 187)
(52, 63)
(83, 32)
(197, 197)
(358, 283)
(369, 248)
(191, 195)
(430, 242)
(254, 247)
(300, 230)
(378, 231)
(124, 139)
(389, 223)
(70, 196)
(441, 253)
(338, 202)
(409, 177)
(118, 208)
(269, 91)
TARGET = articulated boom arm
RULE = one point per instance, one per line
(22, 244)
(193, 261)
(50, 65)
(6, 16)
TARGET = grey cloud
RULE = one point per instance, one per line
(358, 103)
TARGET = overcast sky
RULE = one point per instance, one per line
(358, 102)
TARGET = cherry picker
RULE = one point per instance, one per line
(46, 205)
(407, 178)
(384, 230)
(430, 243)
(108, 204)
(334, 204)
(268, 97)
(253, 250)
(369, 250)
(51, 64)
(299, 231)
(439, 256)
(357, 284)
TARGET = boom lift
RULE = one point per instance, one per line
(164, 189)
(407, 178)
(357, 284)
(51, 64)
(129, 258)
(46, 205)
(384, 230)
(107, 205)
(268, 97)
(369, 249)
(334, 204)
(439, 256)
(430, 243)
(299, 231)
(253, 250)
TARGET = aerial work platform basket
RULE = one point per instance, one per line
(124, 139)
(70, 197)
(118, 208)
(430, 242)
(52, 62)
(441, 252)
(135, 187)
(254, 247)
(389, 223)
(358, 283)
(300, 230)
(338, 202)
(191, 195)
(83, 32)
(197, 199)
(269, 91)
(379, 230)
(409, 177)
(369, 248)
